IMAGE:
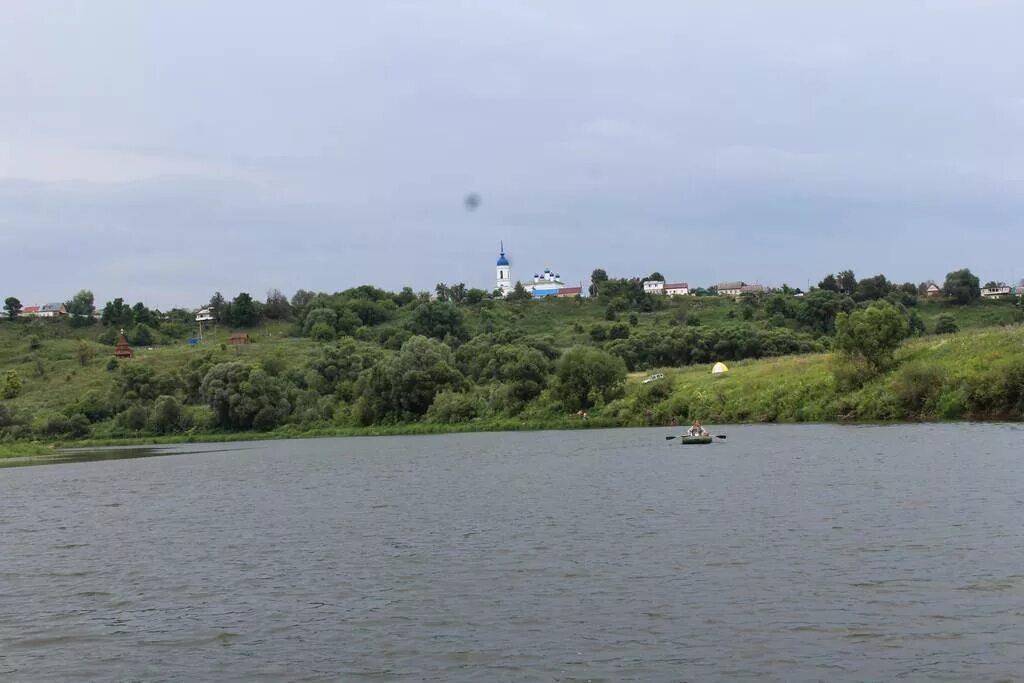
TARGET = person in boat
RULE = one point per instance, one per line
(697, 429)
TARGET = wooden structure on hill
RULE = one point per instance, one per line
(237, 339)
(122, 350)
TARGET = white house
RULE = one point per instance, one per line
(933, 291)
(654, 286)
(996, 292)
(204, 315)
(668, 289)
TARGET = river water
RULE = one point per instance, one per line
(788, 553)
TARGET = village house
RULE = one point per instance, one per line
(933, 291)
(668, 289)
(730, 288)
(56, 310)
(997, 292)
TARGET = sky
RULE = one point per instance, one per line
(163, 150)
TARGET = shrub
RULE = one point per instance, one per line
(945, 324)
(12, 385)
(133, 418)
(917, 388)
(451, 407)
(323, 332)
(167, 416)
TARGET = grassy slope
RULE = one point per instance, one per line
(802, 388)
(783, 389)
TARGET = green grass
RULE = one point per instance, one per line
(944, 377)
(935, 377)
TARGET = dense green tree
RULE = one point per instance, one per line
(656, 276)
(339, 365)
(116, 313)
(871, 334)
(218, 307)
(519, 293)
(450, 407)
(81, 308)
(587, 376)
(404, 386)
(818, 309)
(847, 282)
(167, 416)
(140, 335)
(300, 300)
(873, 288)
(829, 283)
(242, 311)
(81, 304)
(13, 307)
(438, 320)
(143, 316)
(405, 297)
(244, 397)
(277, 306)
(597, 278)
(962, 286)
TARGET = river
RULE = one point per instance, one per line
(788, 553)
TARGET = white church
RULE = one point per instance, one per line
(544, 284)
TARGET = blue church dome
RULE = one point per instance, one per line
(502, 261)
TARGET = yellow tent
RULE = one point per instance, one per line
(719, 369)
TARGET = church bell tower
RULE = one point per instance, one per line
(504, 273)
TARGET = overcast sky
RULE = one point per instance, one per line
(160, 151)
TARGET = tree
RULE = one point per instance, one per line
(142, 315)
(81, 307)
(277, 306)
(167, 416)
(871, 334)
(13, 307)
(244, 397)
(242, 311)
(872, 288)
(301, 299)
(140, 335)
(847, 282)
(829, 283)
(587, 376)
(116, 313)
(962, 286)
(439, 320)
(658, 277)
(405, 385)
(597, 278)
(218, 306)
(519, 293)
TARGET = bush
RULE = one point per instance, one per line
(167, 416)
(12, 385)
(945, 324)
(322, 332)
(132, 419)
(917, 389)
(450, 407)
(34, 344)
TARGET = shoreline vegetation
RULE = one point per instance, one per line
(365, 362)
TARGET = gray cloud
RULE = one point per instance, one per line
(160, 151)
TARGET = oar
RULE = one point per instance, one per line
(717, 436)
